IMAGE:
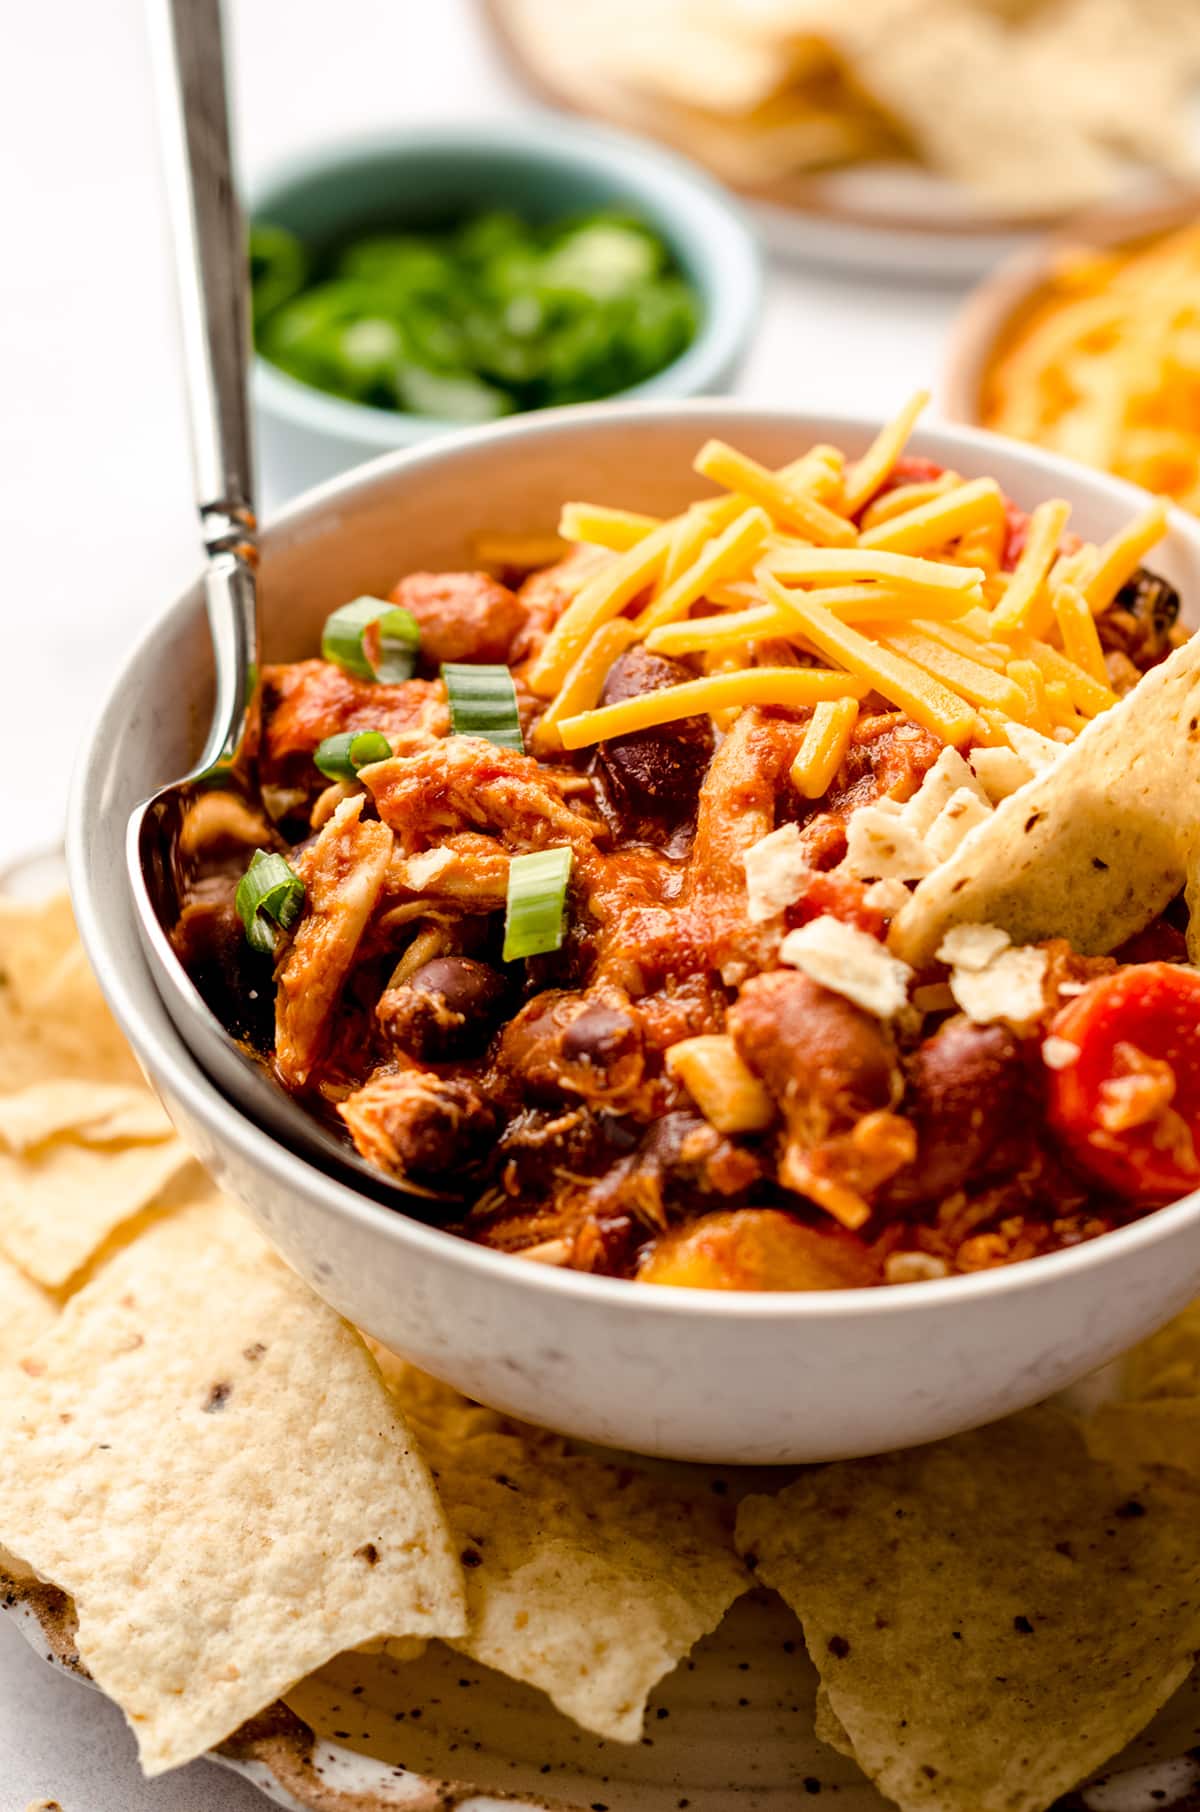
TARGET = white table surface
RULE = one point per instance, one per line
(96, 522)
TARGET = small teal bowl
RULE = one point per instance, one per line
(544, 168)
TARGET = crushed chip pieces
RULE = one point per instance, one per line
(206, 1459)
(880, 846)
(848, 962)
(776, 868)
(590, 1578)
(927, 1580)
(1009, 988)
(1095, 845)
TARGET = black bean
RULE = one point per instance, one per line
(448, 1008)
(652, 778)
(599, 1035)
(466, 986)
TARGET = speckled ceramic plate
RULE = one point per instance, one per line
(730, 1731)
(874, 216)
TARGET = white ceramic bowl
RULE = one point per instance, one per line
(689, 1374)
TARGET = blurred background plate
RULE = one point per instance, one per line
(826, 184)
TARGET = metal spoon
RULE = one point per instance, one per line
(211, 271)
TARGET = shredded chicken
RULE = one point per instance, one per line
(467, 870)
(343, 873)
(222, 821)
(420, 1127)
(466, 783)
(306, 701)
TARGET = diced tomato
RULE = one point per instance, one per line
(1017, 534)
(914, 468)
(1160, 942)
(1128, 1107)
(840, 896)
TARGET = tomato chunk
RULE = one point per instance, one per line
(1128, 1107)
(758, 1249)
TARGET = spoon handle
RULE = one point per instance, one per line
(211, 272)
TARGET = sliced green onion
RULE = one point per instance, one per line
(535, 913)
(340, 757)
(342, 640)
(483, 702)
(268, 900)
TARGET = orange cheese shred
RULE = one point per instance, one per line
(790, 686)
(924, 698)
(826, 739)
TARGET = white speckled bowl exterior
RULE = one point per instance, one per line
(731, 1378)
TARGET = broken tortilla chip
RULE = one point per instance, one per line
(96, 1113)
(589, 1578)
(1092, 848)
(54, 1022)
(26, 1310)
(925, 1579)
(60, 1202)
(206, 1459)
(1155, 1421)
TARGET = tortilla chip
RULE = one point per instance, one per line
(205, 1458)
(97, 1113)
(25, 1312)
(1168, 1363)
(1091, 849)
(1156, 1420)
(53, 1019)
(59, 1203)
(990, 1619)
(586, 1577)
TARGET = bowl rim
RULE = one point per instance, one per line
(707, 217)
(259, 1149)
(996, 303)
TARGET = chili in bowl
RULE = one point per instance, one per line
(607, 928)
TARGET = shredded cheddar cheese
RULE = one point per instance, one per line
(601, 599)
(925, 699)
(1120, 557)
(1024, 605)
(907, 497)
(968, 677)
(722, 558)
(599, 526)
(1080, 639)
(826, 739)
(794, 686)
(786, 501)
(809, 586)
(729, 631)
(584, 683)
(1027, 676)
(933, 524)
(796, 564)
(877, 462)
